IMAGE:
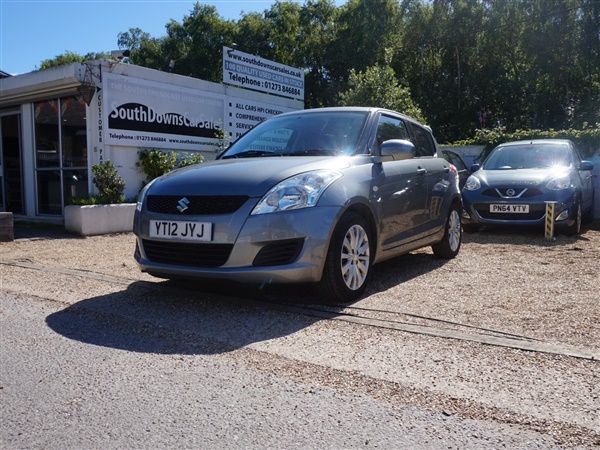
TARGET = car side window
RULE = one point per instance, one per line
(576, 155)
(391, 128)
(455, 160)
(423, 140)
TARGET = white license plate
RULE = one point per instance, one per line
(499, 208)
(182, 230)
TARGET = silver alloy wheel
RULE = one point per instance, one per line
(355, 257)
(454, 230)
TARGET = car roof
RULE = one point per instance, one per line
(537, 141)
(369, 109)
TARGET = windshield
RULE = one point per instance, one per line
(326, 134)
(530, 156)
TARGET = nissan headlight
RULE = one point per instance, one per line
(300, 191)
(561, 182)
(472, 183)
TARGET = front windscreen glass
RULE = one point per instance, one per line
(530, 156)
(319, 134)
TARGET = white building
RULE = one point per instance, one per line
(56, 123)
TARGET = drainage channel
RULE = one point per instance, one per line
(477, 335)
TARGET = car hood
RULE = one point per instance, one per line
(519, 177)
(248, 176)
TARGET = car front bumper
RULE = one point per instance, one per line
(282, 247)
(476, 211)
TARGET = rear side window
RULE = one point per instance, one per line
(423, 140)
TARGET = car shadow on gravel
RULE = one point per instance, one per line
(179, 317)
(163, 317)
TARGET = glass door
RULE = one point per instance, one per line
(11, 164)
(60, 153)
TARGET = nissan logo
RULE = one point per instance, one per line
(510, 192)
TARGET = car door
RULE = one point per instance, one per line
(401, 187)
(587, 181)
(434, 173)
(461, 167)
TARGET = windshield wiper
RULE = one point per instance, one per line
(312, 152)
(250, 154)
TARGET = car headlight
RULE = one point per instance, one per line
(142, 196)
(561, 182)
(300, 191)
(472, 183)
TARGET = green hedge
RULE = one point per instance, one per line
(587, 139)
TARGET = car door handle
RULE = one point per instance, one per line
(421, 171)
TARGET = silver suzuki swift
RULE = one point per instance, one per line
(315, 196)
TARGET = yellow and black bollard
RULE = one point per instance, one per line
(550, 221)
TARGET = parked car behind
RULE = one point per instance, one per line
(461, 166)
(314, 196)
(518, 178)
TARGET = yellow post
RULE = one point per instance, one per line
(550, 221)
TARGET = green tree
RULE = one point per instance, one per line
(70, 57)
(194, 46)
(364, 30)
(378, 86)
(317, 32)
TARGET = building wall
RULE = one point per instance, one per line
(239, 110)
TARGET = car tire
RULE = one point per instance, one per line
(449, 246)
(575, 229)
(348, 262)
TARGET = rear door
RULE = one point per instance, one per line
(587, 182)
(434, 172)
(401, 186)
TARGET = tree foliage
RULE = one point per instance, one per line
(378, 86)
(70, 57)
(465, 64)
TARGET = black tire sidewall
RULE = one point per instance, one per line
(332, 286)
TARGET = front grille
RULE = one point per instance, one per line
(187, 253)
(279, 253)
(198, 204)
(493, 192)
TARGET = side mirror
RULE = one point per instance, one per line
(475, 167)
(586, 165)
(398, 149)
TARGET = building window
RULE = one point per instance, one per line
(60, 153)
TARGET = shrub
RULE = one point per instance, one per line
(587, 139)
(155, 163)
(109, 183)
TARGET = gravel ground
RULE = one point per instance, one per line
(514, 281)
(508, 281)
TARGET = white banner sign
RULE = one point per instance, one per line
(244, 114)
(143, 113)
(252, 72)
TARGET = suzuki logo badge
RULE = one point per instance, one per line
(183, 204)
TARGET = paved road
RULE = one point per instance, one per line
(75, 378)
